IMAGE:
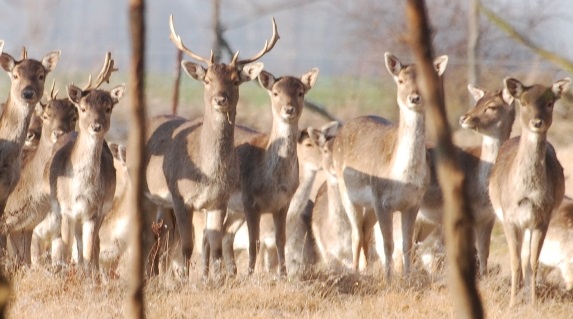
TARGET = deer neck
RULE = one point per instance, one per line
(14, 122)
(409, 160)
(530, 157)
(281, 147)
(334, 200)
(86, 153)
(217, 141)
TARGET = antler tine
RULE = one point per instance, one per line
(176, 39)
(53, 95)
(24, 53)
(104, 74)
(268, 46)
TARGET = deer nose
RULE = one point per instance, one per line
(58, 133)
(220, 100)
(414, 98)
(289, 109)
(28, 93)
(537, 123)
(97, 127)
(463, 118)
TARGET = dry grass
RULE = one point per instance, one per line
(67, 294)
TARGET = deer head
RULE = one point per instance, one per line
(28, 76)
(59, 116)
(95, 105)
(536, 102)
(221, 80)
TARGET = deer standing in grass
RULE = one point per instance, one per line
(81, 176)
(192, 165)
(527, 182)
(28, 77)
(492, 117)
(269, 164)
(29, 203)
(382, 166)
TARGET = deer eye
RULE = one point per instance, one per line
(300, 94)
(549, 104)
(236, 83)
(400, 81)
(108, 110)
(207, 82)
(275, 94)
(83, 109)
(41, 77)
(15, 76)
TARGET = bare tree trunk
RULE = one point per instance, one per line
(136, 146)
(457, 217)
(473, 40)
(177, 84)
(5, 292)
(217, 30)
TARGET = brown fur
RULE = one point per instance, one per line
(27, 86)
(492, 117)
(268, 163)
(30, 202)
(383, 167)
(527, 182)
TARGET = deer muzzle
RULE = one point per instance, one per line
(28, 93)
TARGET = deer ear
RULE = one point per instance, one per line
(392, 64)
(51, 60)
(506, 96)
(317, 136)
(251, 71)
(7, 61)
(330, 130)
(440, 64)
(117, 93)
(514, 87)
(476, 92)
(1, 45)
(194, 70)
(267, 80)
(560, 87)
(309, 78)
(74, 93)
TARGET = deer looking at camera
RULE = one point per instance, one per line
(384, 167)
(81, 175)
(492, 117)
(269, 164)
(27, 77)
(30, 201)
(527, 182)
(192, 165)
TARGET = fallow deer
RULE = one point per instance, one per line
(557, 250)
(492, 117)
(382, 166)
(527, 182)
(192, 165)
(29, 203)
(34, 132)
(81, 175)
(268, 163)
(28, 78)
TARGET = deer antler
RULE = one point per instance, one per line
(53, 95)
(103, 75)
(268, 46)
(176, 39)
(24, 54)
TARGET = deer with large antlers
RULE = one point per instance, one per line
(268, 163)
(81, 175)
(382, 166)
(192, 165)
(527, 182)
(492, 117)
(30, 202)
(28, 77)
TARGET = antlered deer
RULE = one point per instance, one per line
(527, 182)
(27, 77)
(81, 176)
(30, 201)
(492, 117)
(192, 165)
(382, 166)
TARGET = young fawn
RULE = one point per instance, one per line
(527, 183)
(382, 166)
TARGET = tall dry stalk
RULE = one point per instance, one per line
(457, 216)
(136, 145)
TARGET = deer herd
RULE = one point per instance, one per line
(63, 188)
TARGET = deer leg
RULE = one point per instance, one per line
(214, 234)
(408, 226)
(253, 218)
(233, 222)
(206, 253)
(483, 239)
(279, 219)
(537, 238)
(49, 229)
(368, 231)
(184, 221)
(514, 242)
(355, 216)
